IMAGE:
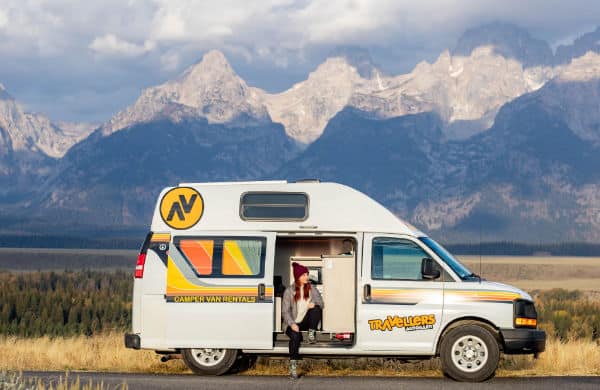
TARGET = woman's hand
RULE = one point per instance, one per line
(311, 305)
(295, 328)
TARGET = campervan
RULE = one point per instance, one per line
(211, 273)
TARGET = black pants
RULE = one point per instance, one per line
(310, 321)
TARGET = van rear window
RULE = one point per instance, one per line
(223, 256)
(274, 206)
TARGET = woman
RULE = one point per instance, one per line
(301, 310)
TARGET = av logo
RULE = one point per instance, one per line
(181, 207)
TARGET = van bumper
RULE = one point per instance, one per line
(523, 341)
(132, 341)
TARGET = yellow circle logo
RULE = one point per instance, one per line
(181, 207)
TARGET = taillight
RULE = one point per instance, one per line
(139, 266)
(141, 260)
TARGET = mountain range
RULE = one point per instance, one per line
(498, 138)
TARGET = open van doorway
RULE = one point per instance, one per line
(332, 265)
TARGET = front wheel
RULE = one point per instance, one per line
(469, 353)
(209, 361)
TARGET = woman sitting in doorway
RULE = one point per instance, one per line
(302, 307)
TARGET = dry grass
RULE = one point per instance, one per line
(578, 357)
(541, 273)
(97, 353)
(107, 353)
(12, 380)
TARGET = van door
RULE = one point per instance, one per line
(399, 310)
(220, 290)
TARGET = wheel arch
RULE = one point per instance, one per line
(471, 320)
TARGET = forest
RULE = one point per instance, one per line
(64, 304)
(93, 302)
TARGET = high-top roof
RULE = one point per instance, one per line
(332, 207)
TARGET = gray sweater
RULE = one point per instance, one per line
(288, 305)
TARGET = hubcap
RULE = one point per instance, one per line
(208, 356)
(469, 353)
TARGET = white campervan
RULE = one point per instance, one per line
(212, 270)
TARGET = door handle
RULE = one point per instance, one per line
(261, 292)
(367, 292)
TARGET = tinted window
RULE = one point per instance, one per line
(394, 258)
(462, 271)
(242, 257)
(274, 206)
(224, 256)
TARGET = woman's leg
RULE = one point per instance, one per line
(310, 322)
(311, 319)
(295, 340)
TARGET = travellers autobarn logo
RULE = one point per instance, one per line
(408, 323)
(181, 207)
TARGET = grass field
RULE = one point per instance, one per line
(539, 273)
(107, 353)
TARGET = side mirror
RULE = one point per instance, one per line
(428, 269)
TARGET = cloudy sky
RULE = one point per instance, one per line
(86, 60)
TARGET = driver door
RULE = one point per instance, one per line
(399, 309)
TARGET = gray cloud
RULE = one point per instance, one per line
(85, 61)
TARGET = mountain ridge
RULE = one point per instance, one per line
(464, 142)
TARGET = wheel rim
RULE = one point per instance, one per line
(469, 353)
(208, 357)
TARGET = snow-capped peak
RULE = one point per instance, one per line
(33, 133)
(209, 89)
(582, 69)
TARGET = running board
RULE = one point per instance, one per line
(323, 339)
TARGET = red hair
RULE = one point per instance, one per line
(306, 291)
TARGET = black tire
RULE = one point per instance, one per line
(209, 361)
(469, 353)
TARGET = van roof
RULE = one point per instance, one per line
(333, 207)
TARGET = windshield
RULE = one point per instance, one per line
(462, 271)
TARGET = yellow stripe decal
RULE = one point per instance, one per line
(160, 237)
(179, 285)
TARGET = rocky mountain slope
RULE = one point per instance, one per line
(209, 89)
(30, 144)
(587, 42)
(532, 176)
(490, 66)
(113, 180)
(507, 40)
(495, 138)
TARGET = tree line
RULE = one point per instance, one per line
(64, 304)
(91, 302)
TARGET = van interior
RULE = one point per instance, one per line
(332, 270)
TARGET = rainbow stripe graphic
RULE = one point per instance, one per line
(200, 254)
(241, 258)
(178, 285)
(415, 296)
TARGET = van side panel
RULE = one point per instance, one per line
(153, 308)
(497, 313)
(219, 325)
(136, 309)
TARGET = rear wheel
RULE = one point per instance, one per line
(469, 353)
(209, 361)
